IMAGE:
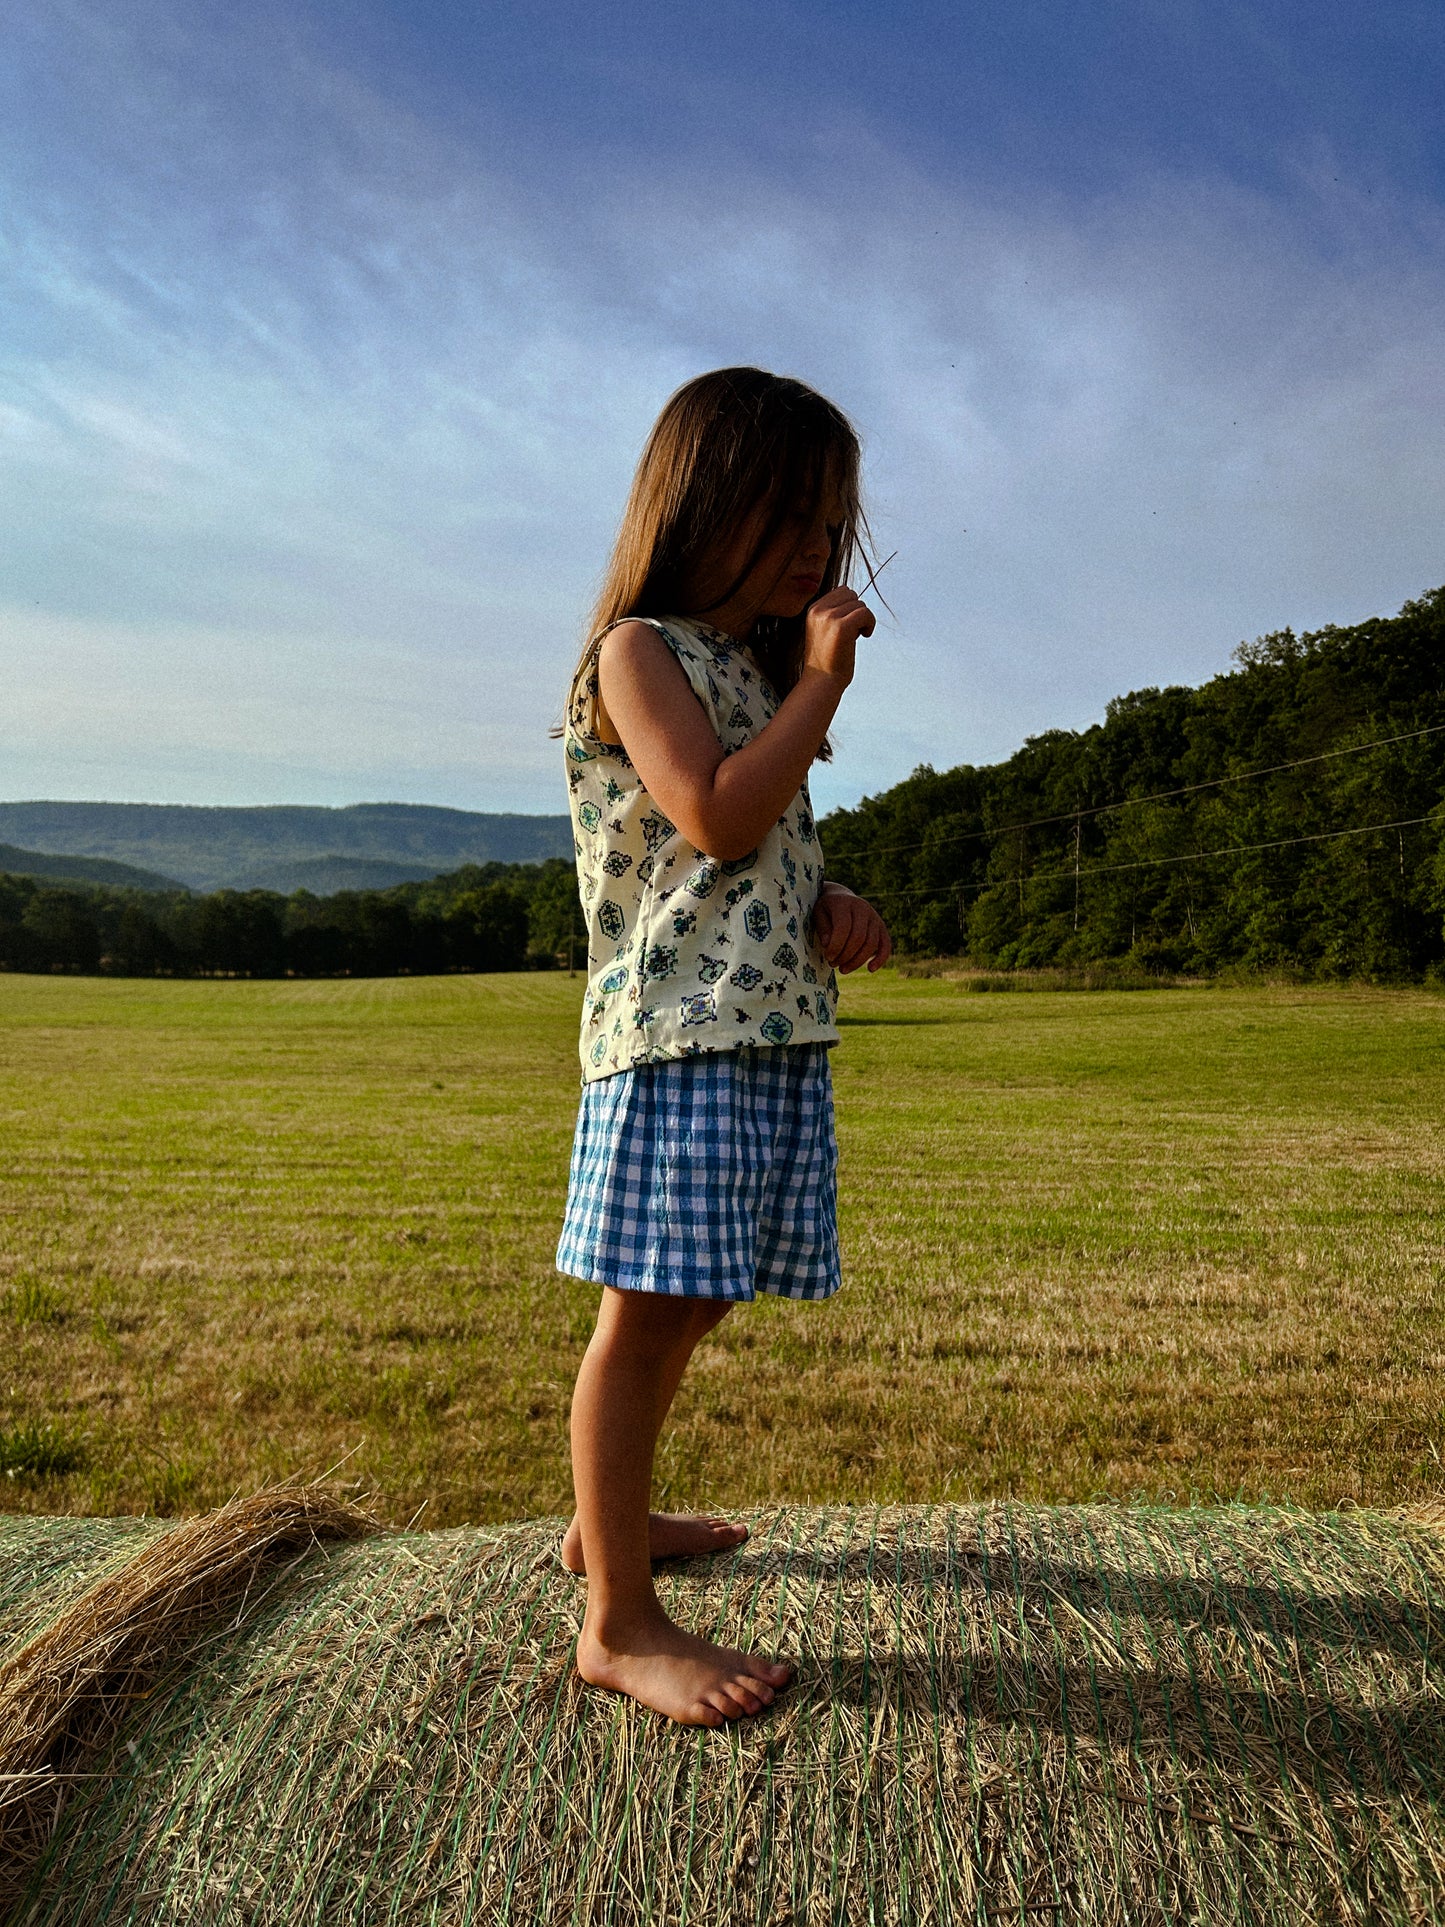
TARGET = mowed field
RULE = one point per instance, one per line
(1167, 1245)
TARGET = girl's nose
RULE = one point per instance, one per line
(818, 544)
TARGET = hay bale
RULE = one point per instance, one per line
(68, 1682)
(1002, 1713)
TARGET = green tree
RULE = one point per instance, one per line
(63, 929)
(556, 929)
(487, 928)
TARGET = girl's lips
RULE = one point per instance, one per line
(808, 582)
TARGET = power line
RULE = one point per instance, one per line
(1154, 862)
(1158, 796)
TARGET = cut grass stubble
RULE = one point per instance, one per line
(1139, 1246)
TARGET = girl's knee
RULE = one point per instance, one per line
(647, 1318)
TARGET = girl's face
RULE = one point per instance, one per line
(784, 578)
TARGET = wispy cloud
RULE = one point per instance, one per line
(315, 423)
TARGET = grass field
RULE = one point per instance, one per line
(1181, 1244)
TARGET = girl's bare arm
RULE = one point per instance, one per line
(724, 805)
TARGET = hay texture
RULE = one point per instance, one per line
(69, 1687)
(1002, 1713)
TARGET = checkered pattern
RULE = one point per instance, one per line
(708, 1177)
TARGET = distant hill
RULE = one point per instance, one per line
(323, 876)
(218, 848)
(81, 869)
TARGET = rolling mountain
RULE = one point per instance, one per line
(323, 876)
(81, 869)
(282, 847)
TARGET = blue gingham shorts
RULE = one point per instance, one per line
(708, 1177)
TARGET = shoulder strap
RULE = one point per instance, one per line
(584, 707)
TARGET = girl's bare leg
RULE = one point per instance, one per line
(672, 1535)
(641, 1347)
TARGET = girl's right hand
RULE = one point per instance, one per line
(830, 640)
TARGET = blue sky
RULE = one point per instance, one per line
(330, 333)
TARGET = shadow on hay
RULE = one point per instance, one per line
(1311, 1735)
(1340, 1622)
(1216, 1667)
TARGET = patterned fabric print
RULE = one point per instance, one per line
(687, 955)
(715, 1177)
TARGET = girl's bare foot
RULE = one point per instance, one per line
(676, 1673)
(670, 1535)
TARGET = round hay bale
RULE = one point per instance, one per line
(67, 1681)
(1001, 1713)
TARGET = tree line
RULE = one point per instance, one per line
(491, 916)
(1288, 814)
(1155, 837)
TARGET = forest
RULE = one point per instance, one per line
(1288, 815)
(490, 916)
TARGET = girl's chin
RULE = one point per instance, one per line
(789, 605)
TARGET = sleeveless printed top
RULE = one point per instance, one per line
(686, 954)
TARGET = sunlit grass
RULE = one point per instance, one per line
(1177, 1243)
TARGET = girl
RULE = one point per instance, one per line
(704, 1161)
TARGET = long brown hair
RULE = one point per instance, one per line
(726, 444)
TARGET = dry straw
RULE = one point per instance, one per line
(1001, 1713)
(75, 1683)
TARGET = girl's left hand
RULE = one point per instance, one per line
(849, 930)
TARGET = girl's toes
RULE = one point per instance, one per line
(737, 1698)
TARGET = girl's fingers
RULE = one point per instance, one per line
(843, 933)
(843, 608)
(874, 946)
(851, 932)
(862, 941)
(834, 919)
(859, 621)
(840, 598)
